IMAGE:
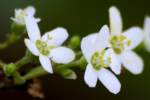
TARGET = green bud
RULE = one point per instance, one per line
(75, 42)
(10, 69)
(83, 63)
(17, 29)
(68, 74)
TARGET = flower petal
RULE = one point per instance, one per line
(46, 63)
(56, 37)
(115, 21)
(147, 33)
(31, 46)
(62, 55)
(115, 61)
(32, 28)
(102, 38)
(90, 77)
(88, 46)
(30, 10)
(135, 34)
(132, 62)
(109, 80)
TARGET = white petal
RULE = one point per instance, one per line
(115, 61)
(147, 33)
(109, 81)
(38, 20)
(102, 38)
(90, 77)
(132, 62)
(56, 37)
(62, 55)
(31, 46)
(30, 11)
(32, 28)
(88, 46)
(135, 34)
(147, 25)
(46, 63)
(115, 21)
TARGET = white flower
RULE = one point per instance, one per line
(48, 46)
(94, 48)
(147, 33)
(122, 43)
(21, 13)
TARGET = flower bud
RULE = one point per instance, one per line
(10, 69)
(69, 74)
(74, 42)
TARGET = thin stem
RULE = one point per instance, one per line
(10, 40)
(39, 71)
(25, 60)
(36, 72)
(22, 62)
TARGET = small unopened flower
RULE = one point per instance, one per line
(48, 47)
(99, 58)
(21, 13)
(147, 33)
(123, 43)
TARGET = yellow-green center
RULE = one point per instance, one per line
(98, 61)
(119, 42)
(43, 47)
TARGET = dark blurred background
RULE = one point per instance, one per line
(80, 17)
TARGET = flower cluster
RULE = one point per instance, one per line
(104, 52)
(110, 47)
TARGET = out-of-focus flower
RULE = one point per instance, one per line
(147, 33)
(48, 47)
(122, 43)
(21, 13)
(94, 49)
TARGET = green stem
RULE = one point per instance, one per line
(25, 60)
(22, 62)
(36, 72)
(39, 71)
(12, 38)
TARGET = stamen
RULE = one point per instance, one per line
(119, 42)
(98, 61)
(43, 47)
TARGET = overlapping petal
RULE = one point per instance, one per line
(135, 35)
(102, 39)
(90, 77)
(31, 46)
(56, 37)
(115, 21)
(32, 28)
(88, 46)
(46, 63)
(132, 62)
(62, 55)
(109, 80)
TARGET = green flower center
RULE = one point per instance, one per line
(119, 42)
(43, 47)
(98, 60)
(21, 16)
